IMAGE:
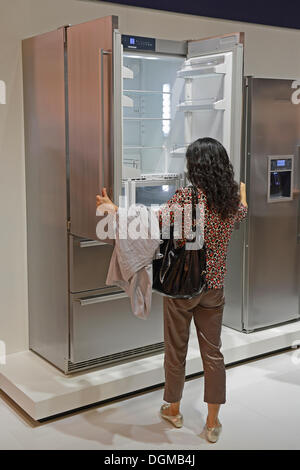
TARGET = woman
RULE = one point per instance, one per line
(210, 171)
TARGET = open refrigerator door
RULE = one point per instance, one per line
(213, 97)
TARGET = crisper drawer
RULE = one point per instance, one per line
(89, 262)
(103, 327)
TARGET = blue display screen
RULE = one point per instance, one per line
(138, 43)
(280, 162)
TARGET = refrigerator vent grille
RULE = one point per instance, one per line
(131, 353)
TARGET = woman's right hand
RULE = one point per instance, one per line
(104, 203)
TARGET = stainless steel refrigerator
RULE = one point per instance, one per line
(263, 281)
(105, 109)
(102, 109)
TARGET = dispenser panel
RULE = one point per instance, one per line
(280, 178)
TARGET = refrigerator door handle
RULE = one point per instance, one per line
(103, 53)
(102, 298)
(87, 243)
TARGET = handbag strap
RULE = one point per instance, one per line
(194, 203)
(194, 207)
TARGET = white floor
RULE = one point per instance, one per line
(262, 412)
(42, 391)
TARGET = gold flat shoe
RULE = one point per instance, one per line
(213, 434)
(176, 420)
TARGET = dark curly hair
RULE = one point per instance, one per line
(210, 169)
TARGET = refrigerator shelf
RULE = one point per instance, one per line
(210, 104)
(190, 71)
(152, 92)
(179, 152)
(146, 119)
(141, 147)
(159, 176)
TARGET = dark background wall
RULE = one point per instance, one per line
(283, 13)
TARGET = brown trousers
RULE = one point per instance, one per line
(207, 311)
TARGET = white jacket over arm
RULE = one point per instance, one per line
(131, 262)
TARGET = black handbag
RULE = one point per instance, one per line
(178, 272)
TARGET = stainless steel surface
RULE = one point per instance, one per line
(88, 264)
(246, 165)
(45, 160)
(232, 316)
(236, 281)
(101, 329)
(101, 298)
(127, 355)
(273, 252)
(87, 131)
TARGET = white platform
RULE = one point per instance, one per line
(43, 391)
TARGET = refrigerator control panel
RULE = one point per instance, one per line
(281, 164)
(280, 178)
(138, 43)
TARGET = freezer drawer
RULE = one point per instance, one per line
(103, 326)
(89, 262)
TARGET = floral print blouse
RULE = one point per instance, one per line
(217, 233)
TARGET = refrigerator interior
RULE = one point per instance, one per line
(169, 102)
(152, 124)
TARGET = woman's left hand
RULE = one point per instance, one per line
(105, 203)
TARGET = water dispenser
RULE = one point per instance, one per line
(280, 178)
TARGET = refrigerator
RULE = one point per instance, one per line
(263, 280)
(105, 109)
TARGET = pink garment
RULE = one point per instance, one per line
(131, 267)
